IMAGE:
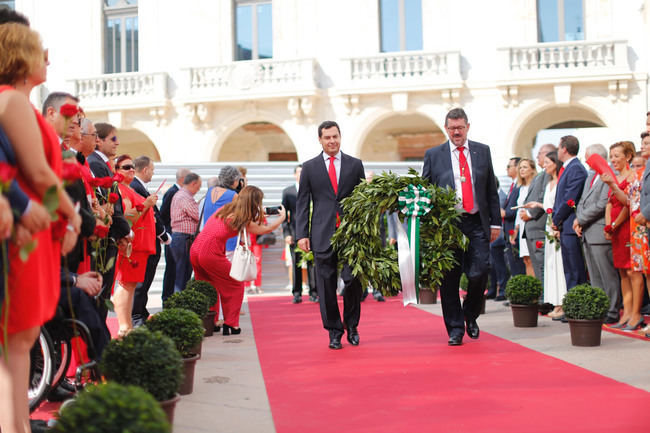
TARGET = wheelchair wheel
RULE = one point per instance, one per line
(41, 370)
(62, 355)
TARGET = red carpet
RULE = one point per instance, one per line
(404, 377)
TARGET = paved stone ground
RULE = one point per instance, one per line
(230, 396)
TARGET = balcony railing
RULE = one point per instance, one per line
(404, 70)
(557, 59)
(259, 78)
(133, 90)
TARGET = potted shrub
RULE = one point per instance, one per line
(189, 300)
(523, 292)
(111, 407)
(585, 308)
(148, 360)
(208, 290)
(186, 331)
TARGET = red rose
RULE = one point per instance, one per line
(608, 228)
(101, 231)
(139, 207)
(549, 211)
(68, 110)
(571, 203)
(539, 244)
(103, 182)
(7, 172)
(118, 177)
(511, 232)
(134, 263)
(113, 198)
(71, 171)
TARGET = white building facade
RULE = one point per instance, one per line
(250, 80)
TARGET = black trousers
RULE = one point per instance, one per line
(141, 295)
(169, 277)
(108, 280)
(297, 274)
(326, 282)
(475, 263)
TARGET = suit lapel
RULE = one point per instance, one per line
(324, 166)
(473, 155)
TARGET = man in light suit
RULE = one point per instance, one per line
(590, 224)
(536, 218)
(466, 166)
(569, 189)
(326, 180)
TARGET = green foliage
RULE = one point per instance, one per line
(146, 359)
(112, 408)
(183, 326)
(203, 287)
(464, 281)
(523, 290)
(585, 302)
(189, 300)
(358, 242)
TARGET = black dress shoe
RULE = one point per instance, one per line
(313, 298)
(490, 296)
(59, 394)
(227, 330)
(378, 297)
(500, 298)
(297, 299)
(472, 329)
(353, 335)
(610, 320)
(455, 340)
(335, 343)
(38, 425)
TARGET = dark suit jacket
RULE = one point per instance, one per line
(438, 169)
(120, 227)
(569, 187)
(536, 226)
(511, 214)
(140, 189)
(315, 187)
(289, 197)
(166, 207)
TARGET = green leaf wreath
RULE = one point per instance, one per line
(358, 242)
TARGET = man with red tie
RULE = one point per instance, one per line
(326, 180)
(466, 166)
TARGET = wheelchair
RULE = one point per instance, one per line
(51, 354)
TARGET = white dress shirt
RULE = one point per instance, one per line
(337, 164)
(455, 165)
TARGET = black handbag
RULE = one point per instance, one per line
(266, 239)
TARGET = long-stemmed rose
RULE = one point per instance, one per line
(550, 236)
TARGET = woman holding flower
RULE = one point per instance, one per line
(131, 263)
(617, 229)
(526, 172)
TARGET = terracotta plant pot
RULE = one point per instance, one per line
(524, 316)
(428, 296)
(585, 333)
(198, 349)
(169, 406)
(208, 323)
(188, 368)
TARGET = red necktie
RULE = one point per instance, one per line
(560, 174)
(335, 185)
(465, 181)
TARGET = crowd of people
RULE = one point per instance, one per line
(566, 226)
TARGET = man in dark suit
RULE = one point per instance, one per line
(144, 170)
(466, 166)
(165, 215)
(515, 263)
(289, 196)
(326, 180)
(499, 270)
(569, 190)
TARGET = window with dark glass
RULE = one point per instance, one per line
(120, 36)
(560, 20)
(400, 25)
(253, 29)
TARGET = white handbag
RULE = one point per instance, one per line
(243, 266)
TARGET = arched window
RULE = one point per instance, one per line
(253, 29)
(120, 36)
(560, 20)
(401, 25)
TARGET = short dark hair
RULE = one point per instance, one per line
(11, 16)
(104, 129)
(295, 169)
(55, 100)
(571, 144)
(327, 125)
(141, 162)
(456, 113)
(191, 177)
(645, 134)
(516, 159)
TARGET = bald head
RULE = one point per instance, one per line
(180, 175)
(543, 150)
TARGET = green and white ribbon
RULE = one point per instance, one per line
(414, 201)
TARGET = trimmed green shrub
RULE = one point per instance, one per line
(585, 302)
(112, 408)
(203, 287)
(146, 359)
(189, 300)
(183, 326)
(523, 290)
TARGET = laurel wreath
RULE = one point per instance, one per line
(358, 243)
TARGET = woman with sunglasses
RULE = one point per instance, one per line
(131, 261)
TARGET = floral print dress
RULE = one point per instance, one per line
(639, 255)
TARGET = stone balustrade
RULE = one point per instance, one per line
(124, 90)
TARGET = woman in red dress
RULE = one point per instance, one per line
(132, 265)
(208, 252)
(33, 288)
